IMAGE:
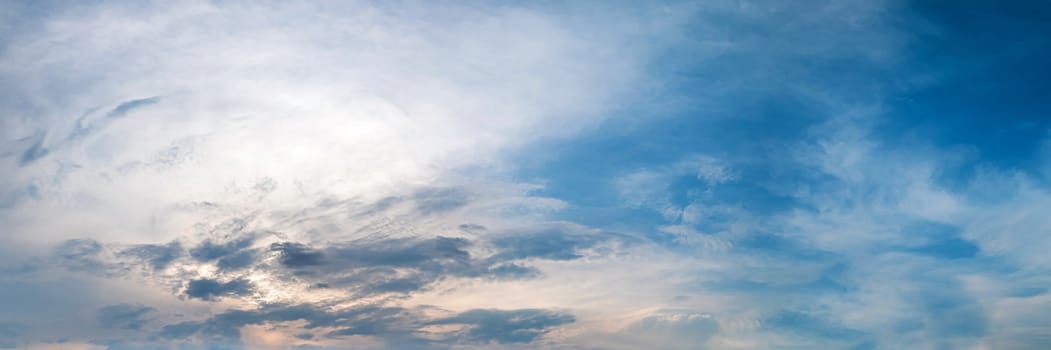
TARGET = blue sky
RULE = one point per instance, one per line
(503, 175)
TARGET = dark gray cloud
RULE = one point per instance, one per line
(391, 267)
(362, 320)
(79, 249)
(296, 254)
(209, 289)
(420, 253)
(394, 325)
(472, 227)
(378, 266)
(210, 250)
(404, 265)
(511, 271)
(238, 260)
(230, 250)
(155, 255)
(365, 266)
(505, 326)
(384, 265)
(84, 254)
(124, 316)
(224, 325)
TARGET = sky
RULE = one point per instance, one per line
(720, 174)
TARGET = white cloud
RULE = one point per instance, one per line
(323, 123)
(143, 123)
(314, 100)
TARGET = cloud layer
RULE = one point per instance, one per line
(422, 175)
